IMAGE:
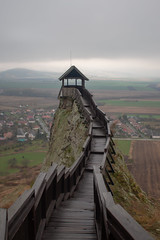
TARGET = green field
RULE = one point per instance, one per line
(149, 116)
(123, 146)
(119, 85)
(27, 159)
(142, 116)
(24, 155)
(128, 103)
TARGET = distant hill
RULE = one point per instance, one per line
(21, 73)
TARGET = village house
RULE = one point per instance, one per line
(21, 135)
(32, 135)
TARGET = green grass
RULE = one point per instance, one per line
(125, 103)
(32, 159)
(149, 116)
(124, 146)
(36, 145)
(33, 153)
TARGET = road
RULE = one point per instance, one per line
(43, 126)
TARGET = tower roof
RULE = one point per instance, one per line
(73, 73)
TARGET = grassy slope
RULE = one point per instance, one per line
(130, 196)
(13, 185)
(124, 146)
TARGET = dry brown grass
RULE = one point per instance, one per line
(12, 186)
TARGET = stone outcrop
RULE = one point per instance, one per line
(68, 134)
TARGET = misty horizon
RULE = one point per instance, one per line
(104, 38)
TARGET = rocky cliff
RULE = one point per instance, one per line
(68, 134)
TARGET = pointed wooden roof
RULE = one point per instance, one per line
(73, 73)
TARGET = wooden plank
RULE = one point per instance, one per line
(76, 163)
(71, 220)
(3, 224)
(63, 236)
(23, 202)
(70, 214)
(108, 198)
(40, 229)
(106, 148)
(94, 159)
(97, 145)
(97, 124)
(51, 173)
(90, 129)
(86, 143)
(19, 211)
(60, 172)
(76, 215)
(71, 230)
(50, 210)
(98, 132)
(39, 187)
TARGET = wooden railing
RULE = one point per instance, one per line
(27, 217)
(112, 221)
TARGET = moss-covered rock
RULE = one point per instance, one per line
(68, 134)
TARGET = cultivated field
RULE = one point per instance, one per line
(134, 110)
(11, 102)
(146, 165)
(101, 94)
(126, 101)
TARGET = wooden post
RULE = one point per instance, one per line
(83, 83)
(3, 224)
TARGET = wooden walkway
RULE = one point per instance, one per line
(74, 218)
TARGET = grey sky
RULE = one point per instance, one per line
(41, 32)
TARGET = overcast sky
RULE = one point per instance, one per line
(112, 38)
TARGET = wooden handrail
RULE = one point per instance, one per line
(112, 221)
(21, 212)
(3, 224)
